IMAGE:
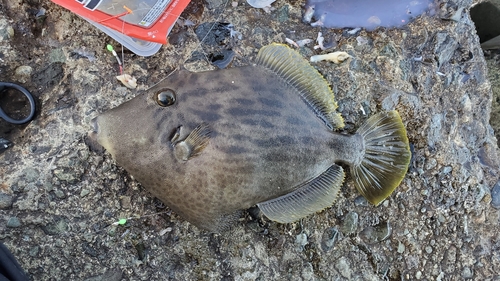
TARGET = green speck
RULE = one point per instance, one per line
(122, 221)
(109, 47)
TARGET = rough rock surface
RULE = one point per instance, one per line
(60, 201)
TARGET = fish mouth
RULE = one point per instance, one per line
(92, 139)
(95, 125)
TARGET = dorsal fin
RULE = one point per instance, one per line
(312, 86)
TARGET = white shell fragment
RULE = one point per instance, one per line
(336, 57)
(298, 44)
(320, 41)
(303, 42)
(260, 3)
(127, 80)
(291, 42)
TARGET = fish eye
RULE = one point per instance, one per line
(165, 97)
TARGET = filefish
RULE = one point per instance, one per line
(214, 143)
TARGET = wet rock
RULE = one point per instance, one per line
(214, 4)
(344, 268)
(23, 73)
(56, 227)
(377, 233)
(350, 224)
(401, 247)
(6, 200)
(467, 273)
(34, 251)
(212, 33)
(282, 13)
(442, 95)
(89, 250)
(13, 222)
(60, 194)
(6, 30)
(125, 202)
(301, 241)
(495, 196)
(68, 175)
(84, 192)
(329, 238)
(57, 55)
(361, 201)
(445, 47)
(31, 174)
(110, 275)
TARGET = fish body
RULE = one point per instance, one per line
(233, 138)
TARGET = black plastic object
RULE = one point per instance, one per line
(3, 115)
(10, 270)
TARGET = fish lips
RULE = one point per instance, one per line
(91, 140)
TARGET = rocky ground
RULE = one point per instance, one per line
(60, 202)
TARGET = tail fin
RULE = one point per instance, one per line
(386, 159)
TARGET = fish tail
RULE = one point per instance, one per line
(386, 156)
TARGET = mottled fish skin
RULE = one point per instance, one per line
(213, 143)
(265, 142)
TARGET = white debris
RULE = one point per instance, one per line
(291, 42)
(320, 39)
(354, 31)
(319, 22)
(336, 57)
(127, 80)
(260, 4)
(298, 44)
(233, 33)
(308, 14)
(303, 42)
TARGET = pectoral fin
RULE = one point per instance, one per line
(310, 198)
(195, 142)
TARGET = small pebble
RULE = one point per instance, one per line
(377, 233)
(447, 170)
(6, 200)
(301, 240)
(495, 196)
(401, 247)
(428, 249)
(329, 238)
(163, 231)
(360, 201)
(467, 273)
(125, 202)
(23, 73)
(84, 192)
(13, 222)
(34, 251)
(60, 194)
(344, 267)
(349, 224)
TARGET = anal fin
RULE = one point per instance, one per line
(310, 198)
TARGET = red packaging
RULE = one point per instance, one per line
(149, 20)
